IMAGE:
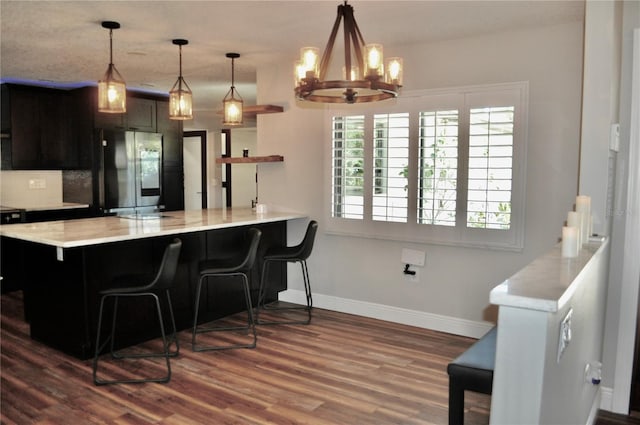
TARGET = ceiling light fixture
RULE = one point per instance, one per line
(112, 91)
(180, 96)
(364, 80)
(232, 106)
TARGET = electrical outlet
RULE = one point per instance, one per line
(565, 334)
(37, 184)
(411, 256)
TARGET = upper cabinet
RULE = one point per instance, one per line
(45, 128)
(40, 124)
(141, 115)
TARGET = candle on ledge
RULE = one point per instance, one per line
(574, 219)
(569, 242)
(583, 206)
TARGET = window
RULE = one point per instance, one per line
(441, 166)
(438, 168)
(348, 167)
(390, 167)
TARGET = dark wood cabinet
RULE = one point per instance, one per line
(172, 160)
(43, 129)
(62, 301)
(141, 115)
(54, 129)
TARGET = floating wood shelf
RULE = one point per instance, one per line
(249, 159)
(258, 109)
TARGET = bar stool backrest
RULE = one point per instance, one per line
(168, 266)
(253, 236)
(306, 245)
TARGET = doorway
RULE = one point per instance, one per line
(194, 151)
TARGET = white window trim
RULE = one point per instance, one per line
(509, 240)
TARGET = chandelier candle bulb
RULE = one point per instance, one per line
(373, 60)
(394, 71)
(300, 72)
(574, 219)
(309, 60)
(569, 242)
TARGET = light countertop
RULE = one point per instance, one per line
(548, 282)
(47, 207)
(93, 231)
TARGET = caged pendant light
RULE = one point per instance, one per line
(232, 106)
(364, 76)
(180, 96)
(112, 91)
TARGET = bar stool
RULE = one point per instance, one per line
(137, 287)
(292, 254)
(238, 266)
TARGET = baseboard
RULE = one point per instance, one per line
(597, 402)
(404, 316)
(606, 399)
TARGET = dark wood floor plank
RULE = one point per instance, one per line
(341, 369)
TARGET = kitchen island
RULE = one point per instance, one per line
(62, 265)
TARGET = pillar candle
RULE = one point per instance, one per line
(583, 206)
(574, 219)
(569, 242)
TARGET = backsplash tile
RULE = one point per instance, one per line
(77, 186)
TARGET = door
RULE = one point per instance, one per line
(195, 170)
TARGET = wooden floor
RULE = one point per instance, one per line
(341, 369)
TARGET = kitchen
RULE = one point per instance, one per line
(285, 134)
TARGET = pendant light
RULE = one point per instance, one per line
(232, 106)
(364, 78)
(112, 91)
(180, 98)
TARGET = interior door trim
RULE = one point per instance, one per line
(202, 134)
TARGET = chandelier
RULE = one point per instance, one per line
(365, 79)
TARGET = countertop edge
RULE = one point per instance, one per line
(525, 298)
(270, 217)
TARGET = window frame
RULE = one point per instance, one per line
(462, 98)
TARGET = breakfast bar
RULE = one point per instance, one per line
(62, 265)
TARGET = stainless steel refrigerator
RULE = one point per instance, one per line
(130, 175)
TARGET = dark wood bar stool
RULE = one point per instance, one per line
(138, 287)
(239, 266)
(288, 254)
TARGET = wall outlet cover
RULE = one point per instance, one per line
(413, 257)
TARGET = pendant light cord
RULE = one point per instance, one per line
(110, 47)
(233, 73)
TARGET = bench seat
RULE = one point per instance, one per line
(471, 371)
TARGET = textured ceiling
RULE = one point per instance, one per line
(63, 41)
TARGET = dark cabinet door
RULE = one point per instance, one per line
(44, 129)
(57, 149)
(141, 114)
(25, 129)
(173, 185)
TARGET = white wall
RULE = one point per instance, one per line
(243, 176)
(622, 297)
(369, 272)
